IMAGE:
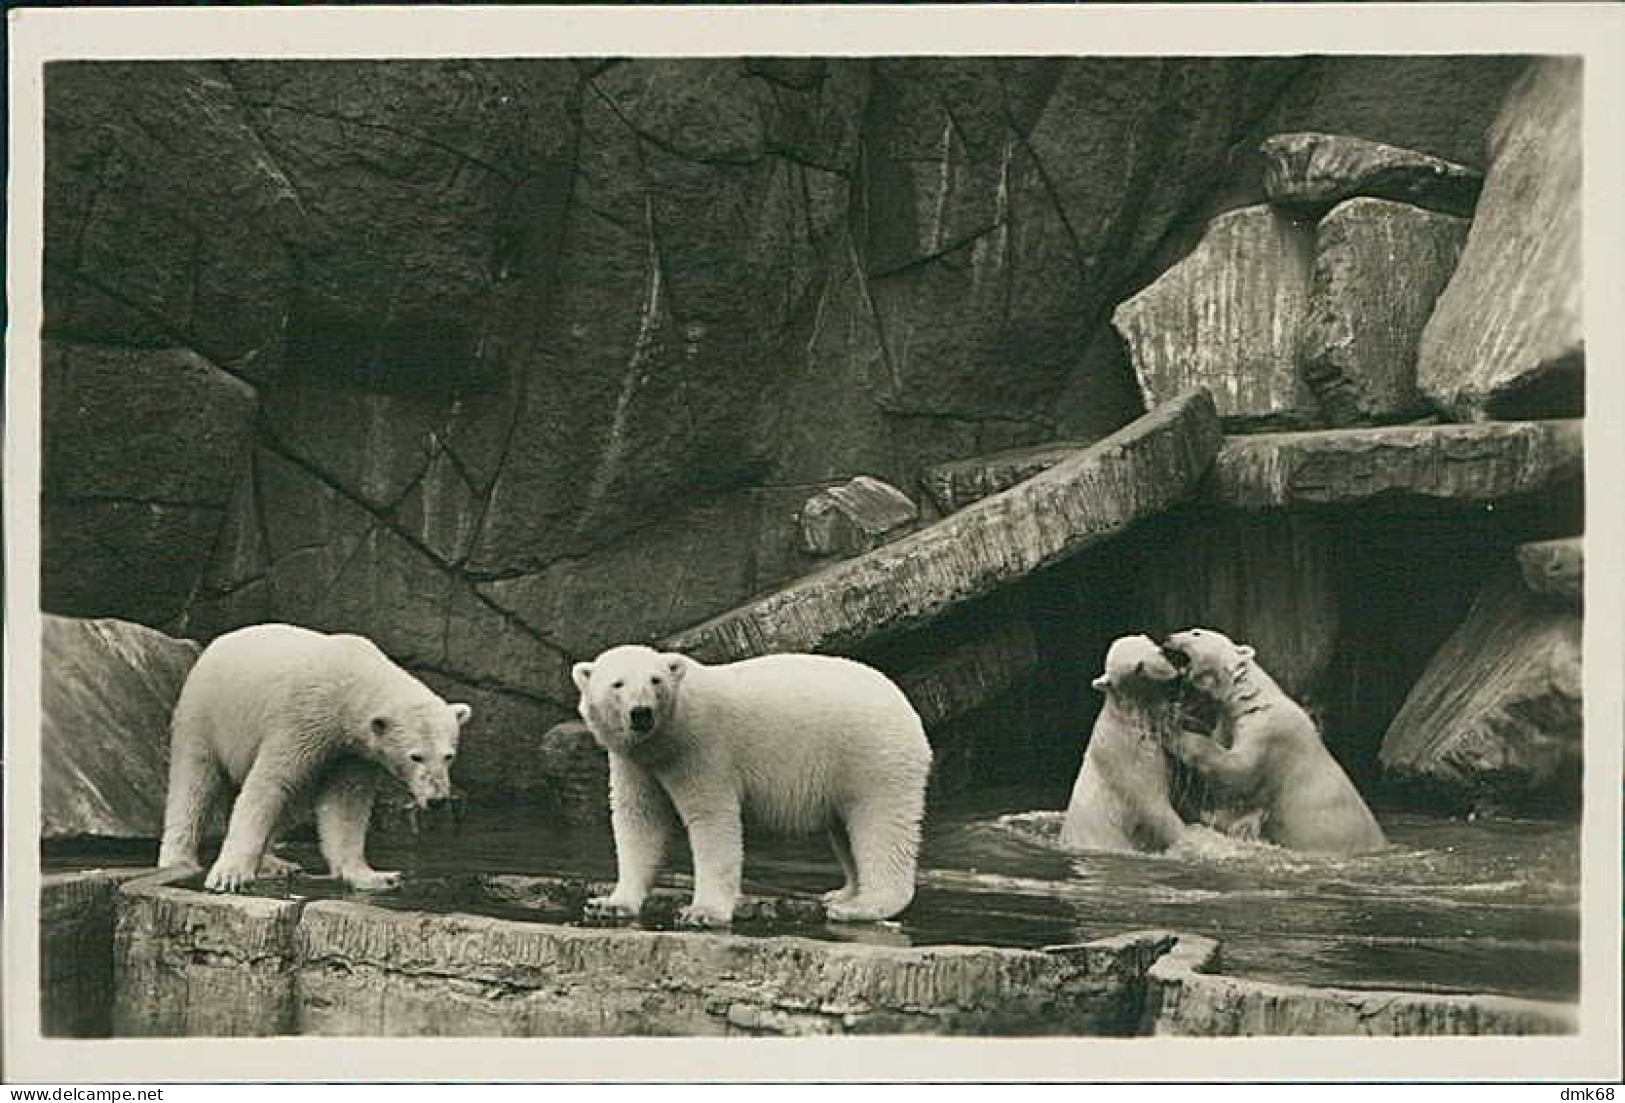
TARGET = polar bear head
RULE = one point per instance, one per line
(628, 694)
(1209, 660)
(417, 743)
(1134, 662)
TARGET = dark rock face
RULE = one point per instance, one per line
(1364, 319)
(1506, 337)
(1496, 719)
(549, 354)
(107, 695)
(141, 448)
(1318, 170)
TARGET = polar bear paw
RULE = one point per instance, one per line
(700, 917)
(273, 866)
(859, 910)
(372, 880)
(838, 896)
(607, 911)
(231, 874)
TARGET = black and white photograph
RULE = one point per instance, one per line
(801, 543)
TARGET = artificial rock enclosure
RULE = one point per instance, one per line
(961, 366)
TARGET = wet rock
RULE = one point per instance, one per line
(575, 770)
(855, 517)
(140, 453)
(1264, 579)
(1496, 719)
(1190, 997)
(1132, 474)
(1227, 317)
(1505, 340)
(105, 703)
(76, 951)
(1360, 334)
(1319, 170)
(1462, 464)
(1554, 567)
(958, 483)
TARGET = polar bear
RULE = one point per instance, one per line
(1121, 798)
(793, 743)
(1275, 760)
(285, 713)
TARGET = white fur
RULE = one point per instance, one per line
(1120, 800)
(793, 743)
(283, 714)
(1276, 760)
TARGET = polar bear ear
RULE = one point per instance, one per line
(1102, 683)
(1244, 651)
(581, 672)
(462, 712)
(676, 664)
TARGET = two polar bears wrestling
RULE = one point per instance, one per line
(793, 743)
(1265, 771)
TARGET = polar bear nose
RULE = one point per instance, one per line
(642, 718)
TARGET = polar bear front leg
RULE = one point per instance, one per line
(717, 839)
(343, 812)
(642, 820)
(275, 776)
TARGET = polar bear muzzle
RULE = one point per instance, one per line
(419, 747)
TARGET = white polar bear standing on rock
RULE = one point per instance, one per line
(795, 743)
(280, 712)
(1276, 761)
(1120, 801)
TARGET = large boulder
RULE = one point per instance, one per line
(141, 450)
(1316, 171)
(1506, 339)
(1378, 268)
(855, 517)
(109, 688)
(1496, 720)
(1227, 318)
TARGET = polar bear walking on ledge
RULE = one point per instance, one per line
(794, 743)
(284, 712)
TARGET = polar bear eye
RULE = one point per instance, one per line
(415, 757)
(617, 685)
(655, 680)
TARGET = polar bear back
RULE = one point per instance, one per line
(803, 736)
(280, 678)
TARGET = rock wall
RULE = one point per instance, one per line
(498, 362)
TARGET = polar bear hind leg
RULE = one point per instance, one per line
(343, 811)
(849, 866)
(195, 783)
(885, 847)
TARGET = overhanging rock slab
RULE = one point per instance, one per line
(1466, 464)
(1136, 472)
(1463, 463)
